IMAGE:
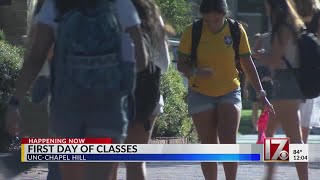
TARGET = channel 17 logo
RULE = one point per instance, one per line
(276, 149)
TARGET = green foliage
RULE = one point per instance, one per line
(10, 59)
(174, 122)
(176, 12)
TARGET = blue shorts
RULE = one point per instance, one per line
(198, 102)
(106, 120)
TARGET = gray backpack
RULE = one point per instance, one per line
(88, 67)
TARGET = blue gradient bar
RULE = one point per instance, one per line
(155, 157)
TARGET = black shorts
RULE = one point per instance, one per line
(146, 95)
(263, 71)
(267, 86)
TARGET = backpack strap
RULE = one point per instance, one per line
(287, 62)
(235, 32)
(234, 27)
(196, 36)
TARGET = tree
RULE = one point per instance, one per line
(177, 13)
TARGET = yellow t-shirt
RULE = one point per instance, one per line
(215, 51)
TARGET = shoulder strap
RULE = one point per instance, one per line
(235, 35)
(235, 32)
(287, 62)
(196, 36)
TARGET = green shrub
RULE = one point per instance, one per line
(10, 59)
(174, 122)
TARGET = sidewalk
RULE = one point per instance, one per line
(192, 171)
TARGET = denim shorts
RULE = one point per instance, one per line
(198, 102)
(106, 120)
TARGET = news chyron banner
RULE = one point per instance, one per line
(280, 150)
(102, 150)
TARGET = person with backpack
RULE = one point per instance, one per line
(285, 58)
(210, 54)
(147, 97)
(91, 77)
(309, 10)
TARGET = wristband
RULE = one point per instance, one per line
(261, 94)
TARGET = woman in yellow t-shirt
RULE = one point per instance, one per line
(214, 95)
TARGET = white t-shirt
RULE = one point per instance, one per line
(125, 11)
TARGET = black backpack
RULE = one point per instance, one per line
(308, 74)
(235, 32)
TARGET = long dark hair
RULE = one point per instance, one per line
(284, 15)
(306, 8)
(149, 14)
(220, 6)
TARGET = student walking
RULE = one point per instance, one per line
(207, 53)
(104, 84)
(309, 10)
(287, 96)
(148, 100)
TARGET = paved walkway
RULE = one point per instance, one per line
(192, 171)
(252, 138)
